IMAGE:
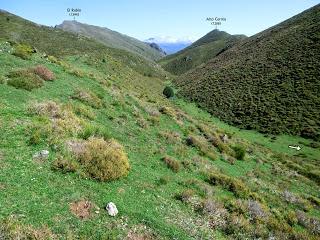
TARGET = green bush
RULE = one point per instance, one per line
(234, 185)
(3, 80)
(24, 79)
(168, 92)
(91, 130)
(104, 160)
(88, 97)
(82, 110)
(23, 51)
(66, 164)
(164, 180)
(240, 152)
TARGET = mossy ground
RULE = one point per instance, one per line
(39, 197)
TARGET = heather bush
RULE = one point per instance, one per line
(24, 79)
(82, 110)
(172, 163)
(202, 146)
(216, 212)
(88, 97)
(234, 185)
(104, 160)
(186, 195)
(65, 164)
(44, 73)
(54, 122)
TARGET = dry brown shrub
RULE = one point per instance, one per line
(44, 73)
(172, 163)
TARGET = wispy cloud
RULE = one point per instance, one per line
(170, 39)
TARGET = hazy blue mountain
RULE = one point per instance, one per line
(170, 46)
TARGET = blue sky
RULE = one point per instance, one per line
(174, 18)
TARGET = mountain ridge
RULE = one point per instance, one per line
(267, 82)
(200, 51)
(111, 38)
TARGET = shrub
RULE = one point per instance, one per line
(168, 111)
(237, 224)
(3, 79)
(104, 160)
(66, 164)
(54, 122)
(186, 195)
(91, 130)
(310, 223)
(47, 108)
(216, 212)
(53, 59)
(202, 146)
(88, 97)
(240, 152)
(168, 92)
(23, 51)
(256, 211)
(24, 79)
(164, 180)
(222, 147)
(234, 185)
(170, 136)
(291, 218)
(82, 110)
(44, 73)
(173, 164)
(314, 200)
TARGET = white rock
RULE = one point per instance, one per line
(43, 154)
(112, 209)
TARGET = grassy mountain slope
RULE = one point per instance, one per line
(191, 176)
(112, 39)
(59, 43)
(269, 82)
(199, 52)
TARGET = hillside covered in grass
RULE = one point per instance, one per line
(269, 82)
(83, 128)
(112, 39)
(204, 49)
(59, 43)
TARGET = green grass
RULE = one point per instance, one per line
(37, 195)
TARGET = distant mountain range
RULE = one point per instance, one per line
(112, 39)
(170, 45)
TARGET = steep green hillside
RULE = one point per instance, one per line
(59, 43)
(112, 39)
(85, 128)
(269, 82)
(204, 49)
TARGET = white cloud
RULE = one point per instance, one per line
(169, 39)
